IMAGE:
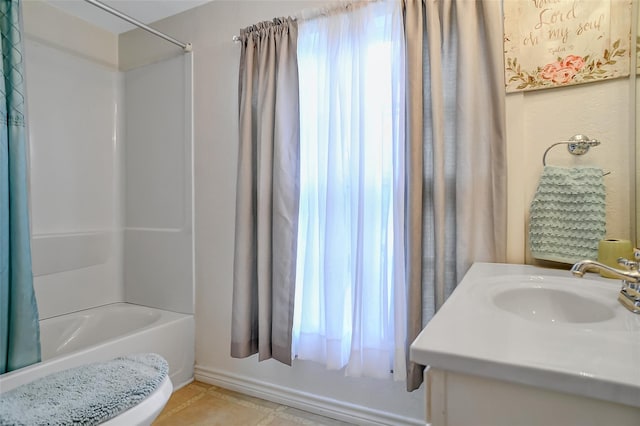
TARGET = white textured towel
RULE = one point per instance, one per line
(85, 395)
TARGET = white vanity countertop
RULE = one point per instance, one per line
(471, 335)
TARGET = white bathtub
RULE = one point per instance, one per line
(105, 332)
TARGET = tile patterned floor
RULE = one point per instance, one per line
(202, 404)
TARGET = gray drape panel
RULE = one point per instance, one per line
(456, 173)
(267, 192)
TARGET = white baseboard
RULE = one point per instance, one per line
(316, 404)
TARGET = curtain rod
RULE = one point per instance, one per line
(187, 47)
(311, 14)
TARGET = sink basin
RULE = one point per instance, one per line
(550, 305)
(541, 327)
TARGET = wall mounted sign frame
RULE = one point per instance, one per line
(553, 43)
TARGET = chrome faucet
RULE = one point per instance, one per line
(630, 292)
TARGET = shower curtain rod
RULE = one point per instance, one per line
(187, 47)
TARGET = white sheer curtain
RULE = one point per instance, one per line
(350, 305)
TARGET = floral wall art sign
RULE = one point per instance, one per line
(552, 43)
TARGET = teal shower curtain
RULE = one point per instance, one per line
(19, 329)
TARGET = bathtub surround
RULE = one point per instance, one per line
(158, 184)
(19, 328)
(75, 170)
(114, 223)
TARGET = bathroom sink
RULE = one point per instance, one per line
(550, 305)
(541, 327)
